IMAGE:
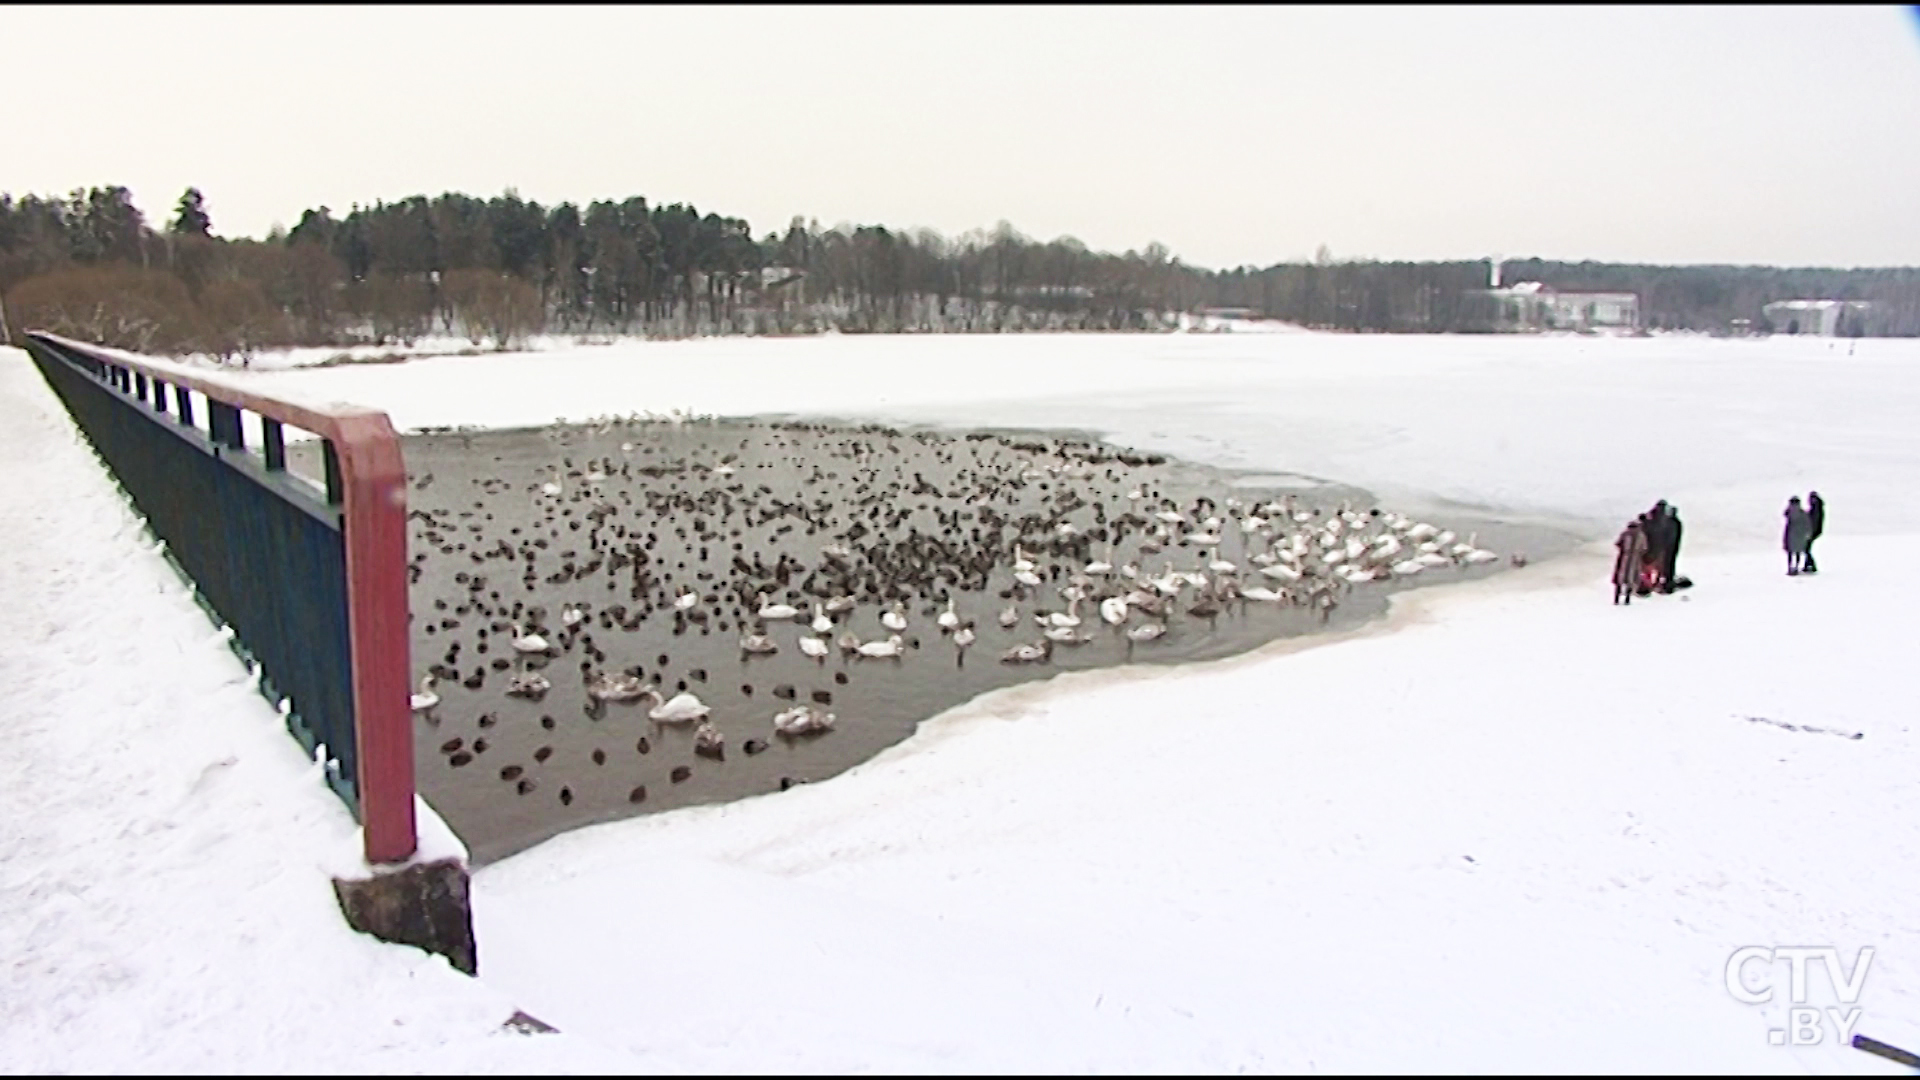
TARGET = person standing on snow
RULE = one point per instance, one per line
(1817, 518)
(1653, 524)
(1631, 551)
(1671, 554)
(1798, 535)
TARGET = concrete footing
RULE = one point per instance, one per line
(425, 905)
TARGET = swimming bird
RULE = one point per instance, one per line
(612, 686)
(1027, 654)
(876, 649)
(963, 637)
(676, 710)
(948, 619)
(426, 699)
(894, 618)
(815, 647)
(776, 612)
(759, 645)
(708, 742)
(802, 720)
(821, 623)
(528, 684)
(527, 642)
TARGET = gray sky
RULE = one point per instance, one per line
(1232, 135)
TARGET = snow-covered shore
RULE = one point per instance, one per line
(1511, 828)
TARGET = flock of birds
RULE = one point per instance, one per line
(851, 547)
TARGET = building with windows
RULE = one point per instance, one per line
(1824, 318)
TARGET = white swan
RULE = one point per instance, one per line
(759, 645)
(1010, 616)
(528, 643)
(802, 720)
(679, 709)
(878, 649)
(685, 601)
(1068, 618)
(1220, 565)
(894, 618)
(815, 647)
(1020, 560)
(948, 619)
(1146, 631)
(426, 699)
(963, 637)
(1262, 594)
(1101, 567)
(821, 624)
(1027, 654)
(776, 612)
(1065, 635)
(1028, 578)
(1114, 610)
(572, 615)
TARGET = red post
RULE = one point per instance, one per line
(375, 483)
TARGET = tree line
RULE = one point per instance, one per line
(499, 270)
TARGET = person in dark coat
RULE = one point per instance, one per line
(1798, 535)
(1653, 524)
(1817, 517)
(1671, 553)
(1631, 551)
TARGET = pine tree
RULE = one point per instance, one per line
(190, 215)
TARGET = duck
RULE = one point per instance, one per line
(426, 699)
(528, 642)
(802, 720)
(679, 709)
(707, 740)
(877, 649)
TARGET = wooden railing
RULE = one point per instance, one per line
(310, 576)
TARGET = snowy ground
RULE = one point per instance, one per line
(1513, 828)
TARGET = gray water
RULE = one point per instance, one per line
(927, 516)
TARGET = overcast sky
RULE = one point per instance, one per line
(1232, 135)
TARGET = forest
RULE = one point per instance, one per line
(500, 270)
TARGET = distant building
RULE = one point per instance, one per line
(1825, 318)
(1531, 306)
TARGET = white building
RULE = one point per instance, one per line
(1826, 318)
(1529, 305)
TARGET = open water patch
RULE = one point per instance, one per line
(666, 554)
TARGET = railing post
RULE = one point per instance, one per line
(375, 521)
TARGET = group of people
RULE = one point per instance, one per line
(1647, 551)
(1804, 526)
(1648, 548)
